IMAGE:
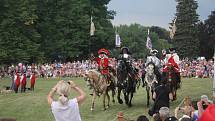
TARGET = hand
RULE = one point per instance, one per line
(72, 84)
(199, 104)
(177, 108)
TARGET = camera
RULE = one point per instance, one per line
(204, 105)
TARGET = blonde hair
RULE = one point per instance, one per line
(63, 90)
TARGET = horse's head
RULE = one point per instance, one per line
(150, 68)
(170, 67)
(87, 78)
(92, 76)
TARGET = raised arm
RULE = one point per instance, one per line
(81, 94)
(50, 95)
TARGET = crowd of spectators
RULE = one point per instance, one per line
(188, 110)
(198, 68)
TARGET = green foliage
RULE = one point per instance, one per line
(135, 36)
(207, 36)
(18, 36)
(162, 33)
(185, 39)
(38, 30)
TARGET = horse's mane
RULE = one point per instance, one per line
(150, 63)
(95, 71)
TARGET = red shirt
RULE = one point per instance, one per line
(102, 65)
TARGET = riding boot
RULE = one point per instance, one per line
(178, 79)
(143, 80)
(158, 74)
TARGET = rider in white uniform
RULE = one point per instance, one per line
(154, 59)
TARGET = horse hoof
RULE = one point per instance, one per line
(174, 98)
(92, 109)
(120, 101)
(107, 106)
(129, 105)
(104, 109)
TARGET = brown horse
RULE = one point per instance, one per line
(170, 78)
(100, 87)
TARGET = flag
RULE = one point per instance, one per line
(149, 43)
(92, 27)
(173, 28)
(117, 40)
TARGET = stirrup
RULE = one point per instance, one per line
(108, 83)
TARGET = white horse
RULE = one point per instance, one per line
(150, 80)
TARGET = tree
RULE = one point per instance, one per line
(207, 36)
(186, 36)
(134, 36)
(18, 37)
(162, 33)
(104, 34)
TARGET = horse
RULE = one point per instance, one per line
(126, 81)
(100, 87)
(150, 80)
(170, 78)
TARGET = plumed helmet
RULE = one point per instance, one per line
(172, 49)
(104, 51)
(153, 51)
(126, 49)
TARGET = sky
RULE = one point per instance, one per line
(153, 12)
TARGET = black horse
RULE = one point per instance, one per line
(126, 76)
(171, 79)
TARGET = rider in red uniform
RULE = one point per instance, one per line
(103, 63)
(173, 60)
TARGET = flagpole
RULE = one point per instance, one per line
(92, 31)
(214, 77)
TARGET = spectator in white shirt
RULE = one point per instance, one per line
(66, 109)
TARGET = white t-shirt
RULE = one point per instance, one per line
(67, 112)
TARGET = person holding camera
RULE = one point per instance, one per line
(202, 105)
(66, 109)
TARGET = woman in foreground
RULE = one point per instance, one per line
(66, 109)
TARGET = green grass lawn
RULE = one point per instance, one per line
(32, 106)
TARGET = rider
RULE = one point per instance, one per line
(173, 59)
(153, 59)
(103, 63)
(125, 56)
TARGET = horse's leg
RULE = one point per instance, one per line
(131, 97)
(113, 94)
(152, 93)
(148, 96)
(126, 97)
(108, 97)
(104, 96)
(93, 101)
(174, 93)
(118, 96)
